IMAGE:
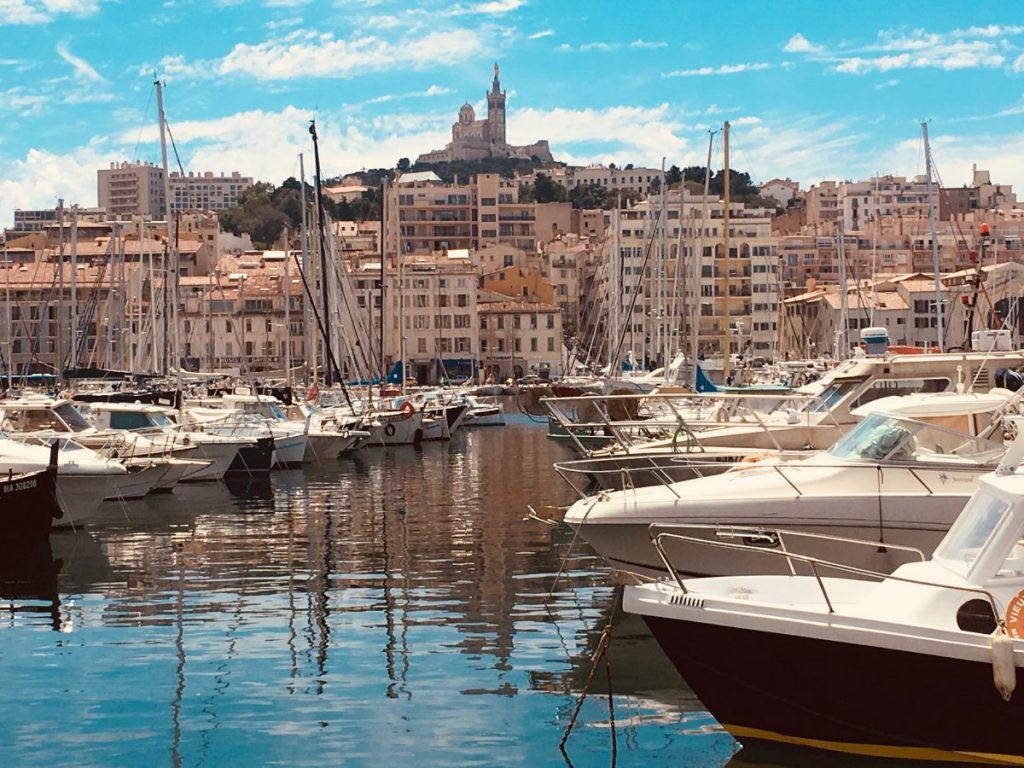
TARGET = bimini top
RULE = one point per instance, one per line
(936, 404)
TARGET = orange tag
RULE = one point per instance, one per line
(1015, 616)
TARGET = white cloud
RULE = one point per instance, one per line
(543, 33)
(639, 44)
(971, 48)
(306, 53)
(20, 102)
(43, 11)
(291, 21)
(84, 71)
(434, 90)
(1018, 64)
(39, 178)
(493, 7)
(725, 69)
(800, 44)
(887, 84)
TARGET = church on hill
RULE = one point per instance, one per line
(474, 139)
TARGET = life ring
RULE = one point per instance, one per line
(408, 409)
(389, 429)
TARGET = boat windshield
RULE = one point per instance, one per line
(880, 437)
(161, 420)
(831, 395)
(71, 416)
(971, 531)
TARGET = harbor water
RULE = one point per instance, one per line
(386, 608)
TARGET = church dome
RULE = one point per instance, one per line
(466, 114)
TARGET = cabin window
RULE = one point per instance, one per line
(969, 534)
(126, 420)
(899, 387)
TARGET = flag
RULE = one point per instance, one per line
(313, 393)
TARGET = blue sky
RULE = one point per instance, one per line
(814, 90)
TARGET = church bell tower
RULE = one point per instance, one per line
(496, 111)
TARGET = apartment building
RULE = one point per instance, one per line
(426, 215)
(639, 180)
(664, 292)
(206, 191)
(126, 189)
(519, 338)
(822, 203)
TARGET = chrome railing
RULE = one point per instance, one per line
(658, 535)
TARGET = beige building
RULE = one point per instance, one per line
(822, 203)
(782, 191)
(519, 338)
(127, 189)
(426, 215)
(905, 306)
(665, 294)
(639, 180)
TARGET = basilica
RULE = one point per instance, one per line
(474, 139)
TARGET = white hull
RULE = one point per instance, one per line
(219, 456)
(80, 497)
(486, 417)
(919, 522)
(396, 429)
(324, 446)
(136, 484)
(289, 450)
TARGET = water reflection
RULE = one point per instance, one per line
(391, 606)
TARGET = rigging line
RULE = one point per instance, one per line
(145, 114)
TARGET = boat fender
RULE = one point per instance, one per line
(408, 409)
(389, 430)
(721, 413)
(1003, 669)
(792, 417)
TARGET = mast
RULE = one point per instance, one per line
(383, 275)
(725, 266)
(614, 293)
(324, 301)
(60, 290)
(10, 321)
(74, 287)
(843, 332)
(935, 236)
(171, 270)
(698, 264)
(287, 312)
(307, 325)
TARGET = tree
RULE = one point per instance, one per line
(673, 176)
(546, 190)
(403, 164)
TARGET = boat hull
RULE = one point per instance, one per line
(627, 545)
(80, 496)
(844, 697)
(256, 459)
(28, 506)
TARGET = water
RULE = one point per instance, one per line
(383, 609)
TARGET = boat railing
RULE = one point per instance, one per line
(658, 535)
(679, 415)
(659, 469)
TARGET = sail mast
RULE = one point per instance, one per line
(725, 254)
(171, 270)
(324, 301)
(934, 235)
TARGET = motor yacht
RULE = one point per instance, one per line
(483, 413)
(151, 466)
(900, 476)
(155, 423)
(84, 478)
(920, 665)
(290, 438)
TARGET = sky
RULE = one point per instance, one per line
(813, 90)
